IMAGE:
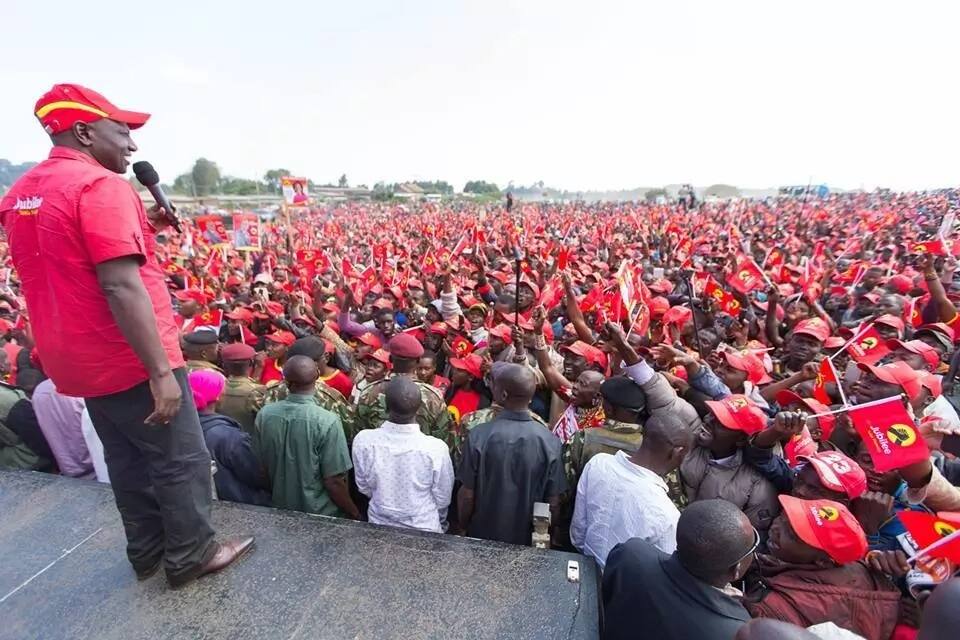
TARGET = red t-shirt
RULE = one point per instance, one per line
(341, 382)
(270, 371)
(62, 218)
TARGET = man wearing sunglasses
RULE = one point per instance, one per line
(687, 594)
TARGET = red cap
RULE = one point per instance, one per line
(739, 413)
(592, 355)
(834, 342)
(196, 295)
(65, 104)
(677, 315)
(838, 473)
(787, 398)
(330, 307)
(891, 321)
(439, 328)
(274, 308)
(370, 340)
(233, 281)
(930, 355)
(380, 355)
(282, 337)
(658, 306)
(898, 373)
(751, 364)
(828, 526)
(470, 363)
(661, 285)
(405, 345)
(503, 332)
(382, 303)
(933, 383)
(813, 327)
(901, 284)
(241, 314)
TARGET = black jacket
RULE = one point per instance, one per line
(648, 594)
(238, 477)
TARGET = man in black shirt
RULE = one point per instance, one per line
(687, 595)
(509, 464)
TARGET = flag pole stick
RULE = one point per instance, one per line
(865, 405)
(850, 342)
(696, 325)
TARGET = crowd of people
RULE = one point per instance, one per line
(678, 381)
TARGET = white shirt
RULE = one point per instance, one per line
(941, 408)
(618, 500)
(95, 447)
(407, 474)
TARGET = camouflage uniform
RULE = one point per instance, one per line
(613, 436)
(433, 417)
(326, 396)
(480, 416)
(238, 401)
(197, 365)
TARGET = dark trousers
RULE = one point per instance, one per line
(160, 476)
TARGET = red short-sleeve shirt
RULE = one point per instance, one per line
(62, 218)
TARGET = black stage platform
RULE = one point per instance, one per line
(63, 574)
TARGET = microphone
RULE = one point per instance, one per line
(148, 177)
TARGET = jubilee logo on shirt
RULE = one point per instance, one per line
(28, 206)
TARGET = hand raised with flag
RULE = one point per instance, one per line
(538, 317)
(810, 370)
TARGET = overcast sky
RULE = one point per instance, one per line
(581, 95)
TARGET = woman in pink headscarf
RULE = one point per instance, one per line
(239, 476)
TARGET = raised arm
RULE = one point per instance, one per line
(554, 378)
(573, 311)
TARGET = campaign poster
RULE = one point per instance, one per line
(295, 191)
(212, 229)
(246, 231)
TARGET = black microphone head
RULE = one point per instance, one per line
(145, 173)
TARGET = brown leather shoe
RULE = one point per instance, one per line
(228, 552)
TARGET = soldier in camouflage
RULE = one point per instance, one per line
(433, 417)
(326, 396)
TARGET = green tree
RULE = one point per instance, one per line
(206, 176)
(481, 187)
(272, 179)
(437, 186)
(342, 182)
(184, 184)
(239, 186)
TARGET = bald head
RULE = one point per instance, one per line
(767, 629)
(403, 400)
(516, 385)
(712, 536)
(941, 612)
(301, 374)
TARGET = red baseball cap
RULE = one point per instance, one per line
(470, 363)
(828, 526)
(196, 295)
(591, 354)
(901, 283)
(658, 306)
(380, 355)
(282, 337)
(503, 332)
(787, 398)
(751, 364)
(813, 327)
(930, 355)
(677, 315)
(65, 104)
(241, 314)
(891, 321)
(834, 342)
(330, 307)
(440, 328)
(370, 340)
(898, 373)
(838, 472)
(739, 413)
(234, 281)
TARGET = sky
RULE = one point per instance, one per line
(581, 95)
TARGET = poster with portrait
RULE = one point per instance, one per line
(295, 191)
(212, 229)
(246, 231)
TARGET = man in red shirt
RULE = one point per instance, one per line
(85, 251)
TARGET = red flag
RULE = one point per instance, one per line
(552, 293)
(911, 313)
(591, 301)
(890, 434)
(346, 268)
(826, 374)
(774, 259)
(462, 244)
(209, 318)
(444, 255)
(629, 292)
(610, 308)
(429, 265)
(563, 258)
(461, 347)
(747, 277)
(927, 529)
(727, 302)
(869, 348)
(933, 247)
(368, 278)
